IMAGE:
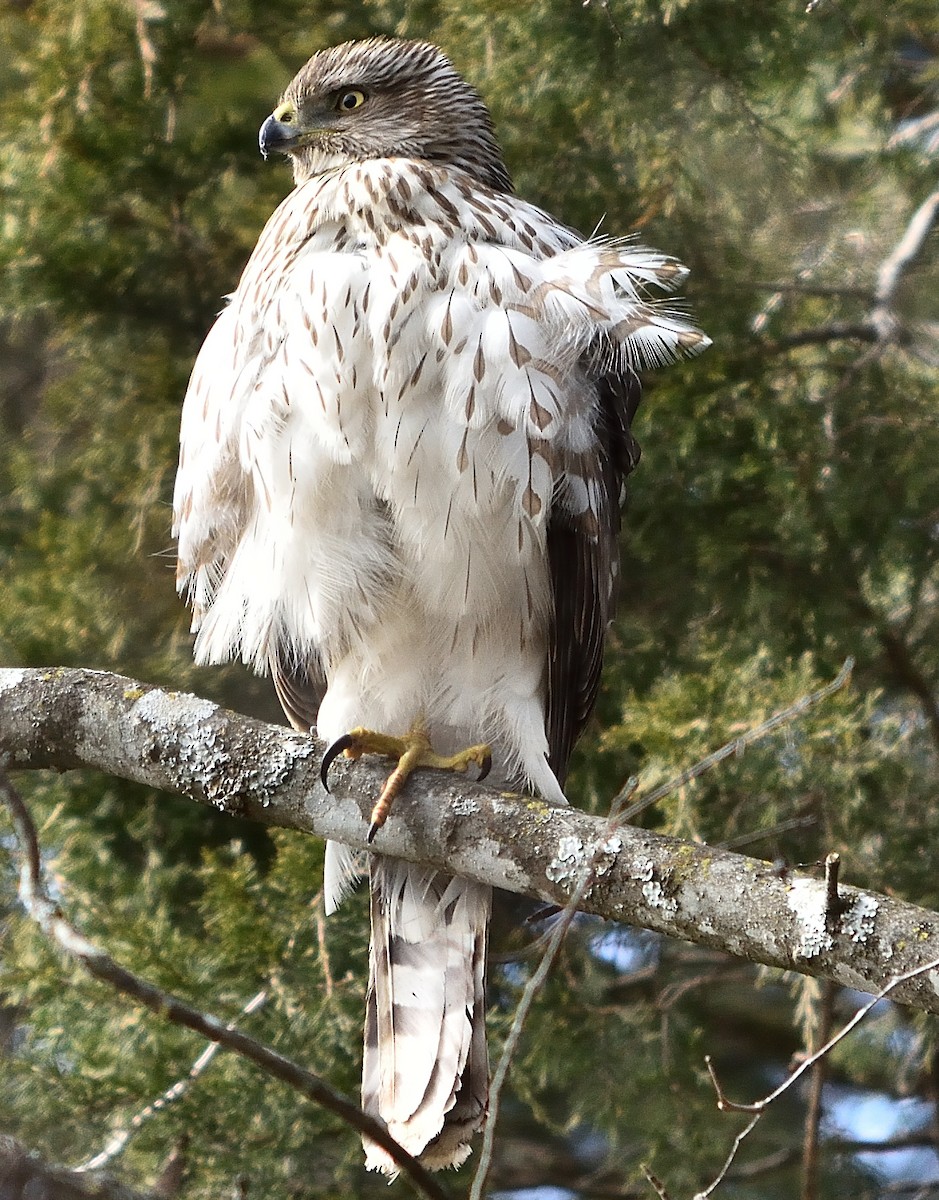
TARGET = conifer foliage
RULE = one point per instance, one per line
(784, 516)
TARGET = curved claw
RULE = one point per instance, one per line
(339, 746)
(484, 768)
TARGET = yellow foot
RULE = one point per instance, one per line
(411, 751)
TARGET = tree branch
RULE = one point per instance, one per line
(906, 250)
(47, 914)
(824, 1006)
(117, 1143)
(882, 325)
(758, 1108)
(63, 719)
(837, 331)
(803, 288)
(25, 1175)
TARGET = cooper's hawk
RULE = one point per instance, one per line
(403, 448)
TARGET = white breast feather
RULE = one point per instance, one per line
(373, 438)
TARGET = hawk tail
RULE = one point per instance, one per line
(426, 1067)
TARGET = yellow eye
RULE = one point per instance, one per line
(350, 100)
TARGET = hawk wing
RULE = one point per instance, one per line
(403, 449)
(583, 557)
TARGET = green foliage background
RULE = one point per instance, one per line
(785, 516)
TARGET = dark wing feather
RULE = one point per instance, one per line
(583, 556)
(299, 689)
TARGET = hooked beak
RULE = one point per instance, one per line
(277, 135)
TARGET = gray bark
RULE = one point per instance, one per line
(64, 719)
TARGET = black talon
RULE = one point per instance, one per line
(485, 768)
(337, 748)
(372, 830)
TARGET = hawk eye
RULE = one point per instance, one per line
(350, 100)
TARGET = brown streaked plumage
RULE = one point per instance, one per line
(416, 107)
(403, 450)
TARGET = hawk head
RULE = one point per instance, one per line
(383, 98)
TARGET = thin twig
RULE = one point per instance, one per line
(882, 326)
(320, 920)
(767, 831)
(655, 1183)
(673, 992)
(726, 1105)
(821, 335)
(813, 1113)
(806, 289)
(605, 5)
(738, 745)
(120, 1139)
(25, 1173)
(913, 130)
(759, 1107)
(906, 1141)
(145, 46)
(906, 250)
(832, 900)
(47, 914)
(765, 1165)
(532, 988)
(728, 1162)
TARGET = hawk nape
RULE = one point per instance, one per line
(402, 455)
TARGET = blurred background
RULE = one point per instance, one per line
(785, 515)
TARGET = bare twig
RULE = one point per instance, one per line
(320, 919)
(832, 901)
(145, 46)
(605, 5)
(767, 831)
(738, 745)
(101, 966)
(759, 1107)
(119, 1140)
(820, 335)
(905, 251)
(813, 1114)
(914, 130)
(728, 1162)
(670, 995)
(881, 327)
(807, 289)
(656, 1184)
(905, 1141)
(532, 988)
(763, 1166)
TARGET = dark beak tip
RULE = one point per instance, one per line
(274, 135)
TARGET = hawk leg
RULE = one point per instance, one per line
(412, 751)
